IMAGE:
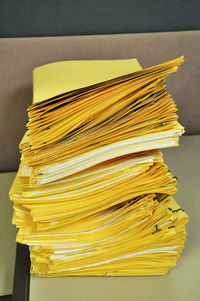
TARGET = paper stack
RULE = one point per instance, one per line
(92, 195)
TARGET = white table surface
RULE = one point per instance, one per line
(181, 283)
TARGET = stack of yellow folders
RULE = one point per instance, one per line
(92, 195)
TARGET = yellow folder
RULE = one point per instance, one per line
(92, 195)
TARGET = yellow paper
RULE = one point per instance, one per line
(92, 195)
(61, 77)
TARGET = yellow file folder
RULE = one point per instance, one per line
(92, 195)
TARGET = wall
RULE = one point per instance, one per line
(24, 18)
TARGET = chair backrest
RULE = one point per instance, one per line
(18, 56)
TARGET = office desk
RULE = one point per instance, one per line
(181, 284)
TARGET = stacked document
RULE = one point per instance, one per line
(93, 195)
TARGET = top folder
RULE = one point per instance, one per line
(65, 76)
